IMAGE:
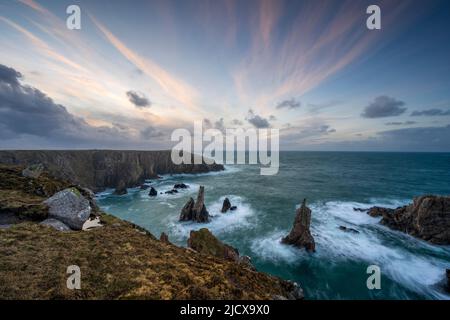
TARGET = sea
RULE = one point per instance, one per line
(333, 184)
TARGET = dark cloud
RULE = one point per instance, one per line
(151, 132)
(395, 123)
(9, 76)
(257, 121)
(27, 115)
(219, 124)
(384, 106)
(272, 118)
(431, 113)
(138, 99)
(289, 104)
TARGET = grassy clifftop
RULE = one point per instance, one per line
(118, 260)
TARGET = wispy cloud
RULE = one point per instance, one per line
(173, 86)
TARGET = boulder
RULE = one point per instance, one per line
(70, 207)
(347, 229)
(164, 237)
(171, 191)
(121, 189)
(300, 235)
(153, 192)
(199, 212)
(33, 171)
(56, 224)
(180, 186)
(226, 205)
(205, 242)
(186, 211)
(427, 218)
(232, 208)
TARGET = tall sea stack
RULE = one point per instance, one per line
(300, 235)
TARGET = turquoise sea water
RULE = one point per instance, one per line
(333, 183)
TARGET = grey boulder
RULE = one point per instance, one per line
(70, 207)
(56, 224)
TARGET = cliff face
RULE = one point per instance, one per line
(100, 169)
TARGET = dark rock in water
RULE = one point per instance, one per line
(379, 211)
(33, 171)
(226, 205)
(199, 212)
(360, 209)
(180, 186)
(153, 192)
(171, 191)
(427, 218)
(300, 235)
(195, 211)
(164, 238)
(144, 187)
(186, 212)
(346, 229)
(232, 208)
(121, 189)
(205, 242)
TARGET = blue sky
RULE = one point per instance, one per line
(139, 69)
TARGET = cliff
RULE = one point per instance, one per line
(100, 169)
(118, 260)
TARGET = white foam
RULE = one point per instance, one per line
(271, 248)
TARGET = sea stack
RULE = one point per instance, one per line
(195, 211)
(300, 235)
(226, 205)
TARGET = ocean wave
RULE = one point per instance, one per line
(402, 260)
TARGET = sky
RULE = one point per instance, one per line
(137, 70)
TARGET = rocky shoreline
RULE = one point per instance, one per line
(101, 169)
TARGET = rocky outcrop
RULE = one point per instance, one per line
(379, 211)
(101, 169)
(180, 186)
(70, 207)
(199, 212)
(226, 205)
(186, 211)
(33, 171)
(203, 241)
(195, 210)
(427, 218)
(300, 235)
(153, 192)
